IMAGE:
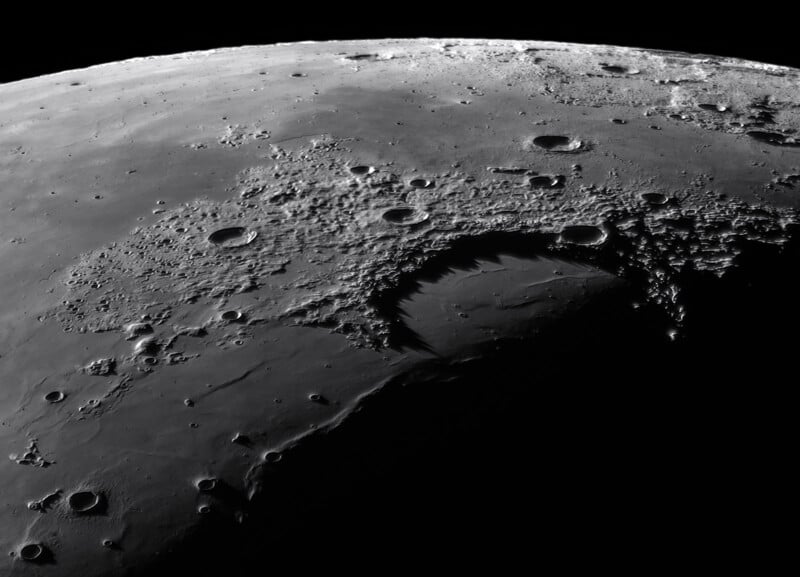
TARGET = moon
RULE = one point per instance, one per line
(223, 270)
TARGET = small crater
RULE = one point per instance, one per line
(558, 143)
(513, 170)
(654, 198)
(361, 57)
(272, 456)
(317, 398)
(361, 170)
(404, 216)
(206, 485)
(619, 121)
(231, 316)
(420, 183)
(547, 181)
(55, 397)
(85, 502)
(299, 75)
(583, 235)
(34, 553)
(232, 237)
(618, 69)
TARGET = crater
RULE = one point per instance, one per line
(618, 69)
(558, 143)
(272, 456)
(86, 502)
(420, 183)
(206, 485)
(362, 57)
(404, 216)
(362, 170)
(513, 170)
(582, 235)
(317, 398)
(482, 292)
(547, 181)
(33, 553)
(654, 198)
(231, 316)
(55, 397)
(232, 237)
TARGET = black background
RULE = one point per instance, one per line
(37, 41)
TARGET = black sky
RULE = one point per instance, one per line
(32, 44)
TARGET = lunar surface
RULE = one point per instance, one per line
(390, 292)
